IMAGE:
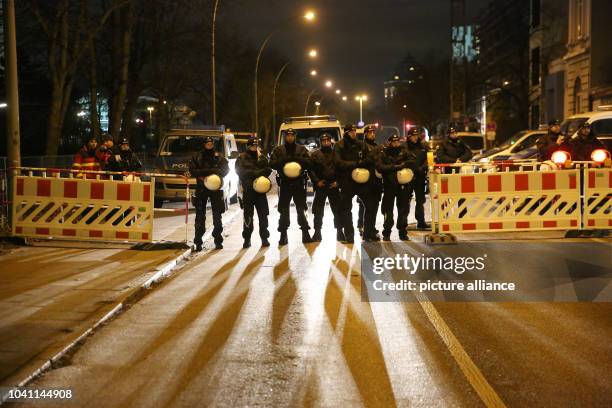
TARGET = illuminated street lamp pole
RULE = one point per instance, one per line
(213, 68)
(309, 16)
(361, 98)
(280, 72)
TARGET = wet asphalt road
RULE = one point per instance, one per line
(287, 327)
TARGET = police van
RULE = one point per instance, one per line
(308, 129)
(174, 154)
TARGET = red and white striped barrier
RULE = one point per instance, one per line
(87, 209)
(598, 198)
(506, 201)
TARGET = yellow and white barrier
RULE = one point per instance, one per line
(598, 198)
(83, 209)
(506, 201)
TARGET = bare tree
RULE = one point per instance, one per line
(70, 27)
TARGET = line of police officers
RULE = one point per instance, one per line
(350, 168)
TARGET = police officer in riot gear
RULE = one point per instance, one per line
(453, 149)
(548, 143)
(395, 157)
(375, 182)
(323, 177)
(123, 158)
(291, 187)
(417, 151)
(251, 165)
(350, 155)
(203, 164)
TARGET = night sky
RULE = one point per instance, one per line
(359, 41)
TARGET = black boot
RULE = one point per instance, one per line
(265, 242)
(423, 226)
(198, 248)
(340, 235)
(306, 237)
(247, 243)
(283, 238)
(386, 237)
(218, 245)
(317, 236)
(404, 237)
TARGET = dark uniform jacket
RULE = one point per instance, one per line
(286, 153)
(392, 160)
(418, 153)
(450, 151)
(249, 167)
(207, 162)
(351, 154)
(124, 160)
(580, 149)
(323, 166)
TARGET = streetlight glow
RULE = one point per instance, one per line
(313, 72)
(3, 105)
(317, 103)
(344, 98)
(313, 53)
(338, 91)
(329, 84)
(310, 15)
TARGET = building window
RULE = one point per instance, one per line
(535, 13)
(577, 90)
(535, 115)
(535, 66)
(579, 18)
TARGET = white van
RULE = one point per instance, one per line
(309, 128)
(174, 154)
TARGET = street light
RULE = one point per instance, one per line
(3, 105)
(329, 84)
(313, 53)
(309, 16)
(344, 98)
(361, 98)
(338, 91)
(318, 105)
(313, 72)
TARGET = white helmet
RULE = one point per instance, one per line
(404, 176)
(262, 184)
(548, 165)
(213, 182)
(292, 169)
(360, 175)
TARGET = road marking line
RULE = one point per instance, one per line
(473, 374)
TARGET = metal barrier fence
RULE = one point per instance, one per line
(83, 205)
(524, 200)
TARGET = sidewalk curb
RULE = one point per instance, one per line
(162, 273)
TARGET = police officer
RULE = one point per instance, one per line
(394, 158)
(251, 165)
(546, 144)
(351, 154)
(206, 163)
(323, 177)
(291, 187)
(582, 146)
(453, 149)
(375, 182)
(417, 151)
(123, 158)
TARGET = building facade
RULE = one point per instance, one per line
(589, 57)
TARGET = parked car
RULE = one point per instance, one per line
(520, 141)
(174, 154)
